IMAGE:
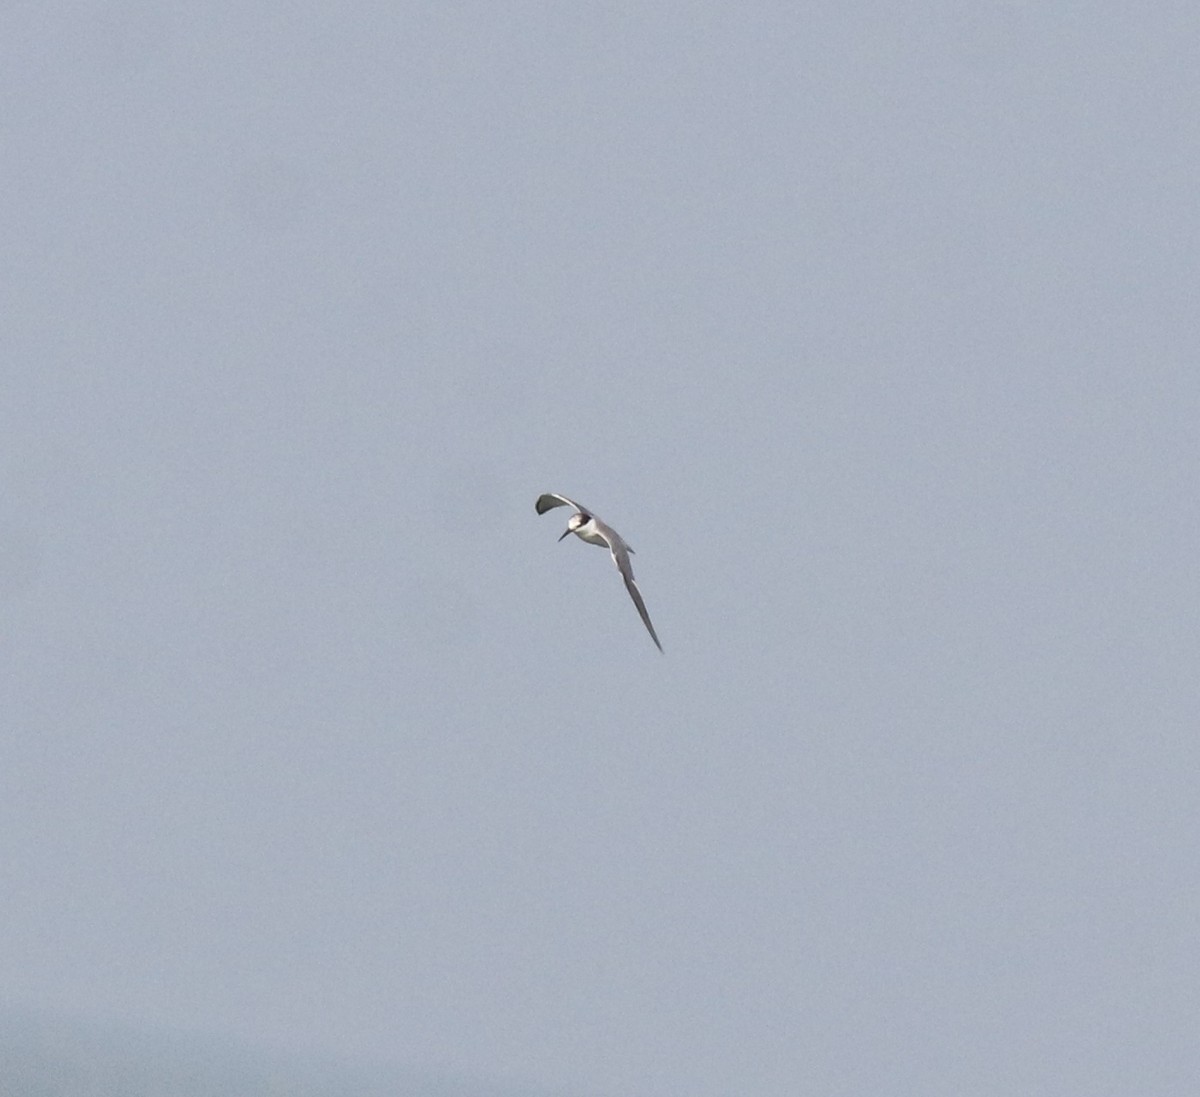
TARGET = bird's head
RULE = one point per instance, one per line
(574, 523)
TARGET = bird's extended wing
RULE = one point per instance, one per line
(620, 555)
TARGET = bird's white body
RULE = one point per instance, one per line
(588, 530)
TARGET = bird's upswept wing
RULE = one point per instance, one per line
(551, 500)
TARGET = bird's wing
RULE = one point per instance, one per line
(550, 500)
(620, 554)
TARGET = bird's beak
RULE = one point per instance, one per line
(565, 532)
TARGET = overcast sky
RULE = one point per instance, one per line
(872, 326)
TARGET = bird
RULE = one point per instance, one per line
(587, 527)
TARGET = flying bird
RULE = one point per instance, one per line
(587, 527)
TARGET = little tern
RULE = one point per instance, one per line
(587, 527)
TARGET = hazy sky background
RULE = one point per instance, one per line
(872, 326)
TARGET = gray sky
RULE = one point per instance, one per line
(872, 326)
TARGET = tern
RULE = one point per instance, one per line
(587, 527)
